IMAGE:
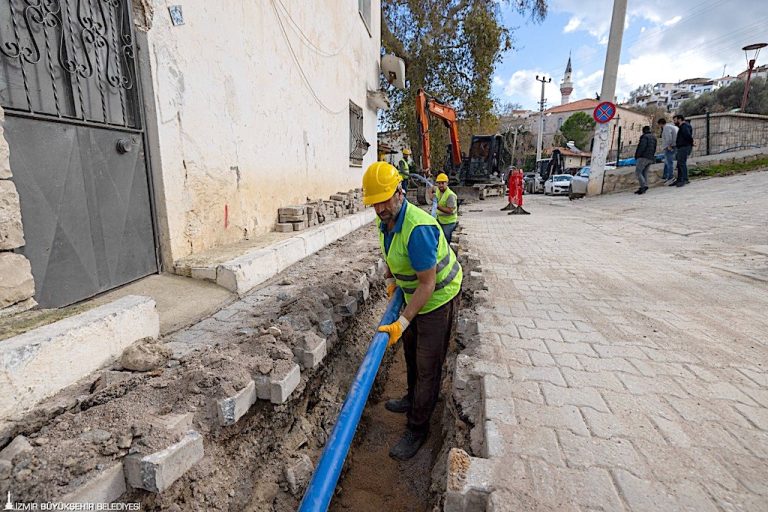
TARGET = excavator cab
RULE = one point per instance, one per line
(487, 162)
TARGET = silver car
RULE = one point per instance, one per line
(558, 185)
(580, 181)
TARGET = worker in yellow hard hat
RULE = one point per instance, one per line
(421, 263)
(447, 206)
(404, 168)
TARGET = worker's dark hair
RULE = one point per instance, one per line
(646, 129)
(681, 117)
(662, 121)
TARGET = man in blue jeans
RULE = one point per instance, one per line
(668, 136)
(684, 145)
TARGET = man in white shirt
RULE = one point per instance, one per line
(668, 136)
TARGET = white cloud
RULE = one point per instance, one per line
(673, 21)
(523, 86)
(572, 25)
(497, 81)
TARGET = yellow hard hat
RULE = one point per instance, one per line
(379, 182)
(406, 151)
(441, 178)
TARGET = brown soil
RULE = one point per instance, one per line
(374, 481)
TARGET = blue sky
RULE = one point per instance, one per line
(664, 41)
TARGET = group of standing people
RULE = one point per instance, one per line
(677, 143)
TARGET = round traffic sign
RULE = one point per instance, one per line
(604, 112)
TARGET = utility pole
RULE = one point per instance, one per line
(543, 101)
(610, 74)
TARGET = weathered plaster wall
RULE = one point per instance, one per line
(240, 133)
(16, 284)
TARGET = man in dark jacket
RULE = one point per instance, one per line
(645, 155)
(684, 145)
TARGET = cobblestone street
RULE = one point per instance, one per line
(625, 349)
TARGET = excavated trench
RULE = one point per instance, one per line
(263, 461)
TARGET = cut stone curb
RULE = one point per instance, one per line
(76, 346)
(105, 487)
(158, 471)
(245, 272)
(277, 388)
(469, 482)
(233, 408)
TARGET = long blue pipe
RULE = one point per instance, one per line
(320, 491)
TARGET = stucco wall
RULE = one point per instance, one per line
(239, 130)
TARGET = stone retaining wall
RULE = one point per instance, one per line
(623, 178)
(16, 283)
(728, 130)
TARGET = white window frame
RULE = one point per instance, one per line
(362, 7)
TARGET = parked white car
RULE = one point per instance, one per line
(579, 182)
(558, 185)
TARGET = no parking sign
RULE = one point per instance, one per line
(604, 112)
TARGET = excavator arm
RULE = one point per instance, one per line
(426, 106)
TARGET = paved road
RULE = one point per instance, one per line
(627, 349)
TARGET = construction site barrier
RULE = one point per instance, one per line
(320, 491)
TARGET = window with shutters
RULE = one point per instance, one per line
(358, 146)
(364, 8)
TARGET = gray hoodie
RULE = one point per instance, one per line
(668, 136)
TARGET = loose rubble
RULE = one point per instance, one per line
(300, 217)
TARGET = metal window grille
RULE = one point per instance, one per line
(358, 146)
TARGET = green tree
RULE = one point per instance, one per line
(578, 128)
(729, 98)
(450, 48)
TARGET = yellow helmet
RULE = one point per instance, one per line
(406, 151)
(379, 182)
(441, 178)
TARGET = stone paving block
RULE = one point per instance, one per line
(714, 435)
(281, 388)
(585, 488)
(469, 482)
(758, 416)
(735, 501)
(698, 411)
(644, 495)
(5, 469)
(671, 464)
(107, 486)
(669, 356)
(532, 442)
(17, 446)
(494, 387)
(692, 496)
(580, 397)
(587, 452)
(759, 378)
(178, 424)
(540, 334)
(158, 471)
(609, 364)
(620, 351)
(570, 348)
(541, 359)
(592, 337)
(541, 374)
(554, 324)
(494, 443)
(568, 361)
(523, 344)
(482, 367)
(758, 395)
(233, 408)
(626, 404)
(313, 350)
(655, 386)
(500, 410)
(754, 440)
(672, 431)
(603, 380)
(610, 426)
(561, 417)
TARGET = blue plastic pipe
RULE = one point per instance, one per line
(320, 491)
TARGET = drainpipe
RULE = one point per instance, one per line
(707, 131)
(320, 491)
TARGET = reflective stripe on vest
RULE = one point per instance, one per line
(449, 273)
(403, 168)
(442, 200)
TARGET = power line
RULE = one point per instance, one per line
(307, 41)
(298, 66)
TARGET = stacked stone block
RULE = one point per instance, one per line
(16, 283)
(300, 217)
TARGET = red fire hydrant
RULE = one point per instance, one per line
(516, 192)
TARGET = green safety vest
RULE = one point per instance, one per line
(449, 274)
(403, 169)
(442, 200)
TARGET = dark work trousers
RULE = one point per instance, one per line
(683, 152)
(425, 344)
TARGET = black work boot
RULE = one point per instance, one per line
(398, 405)
(509, 206)
(408, 445)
